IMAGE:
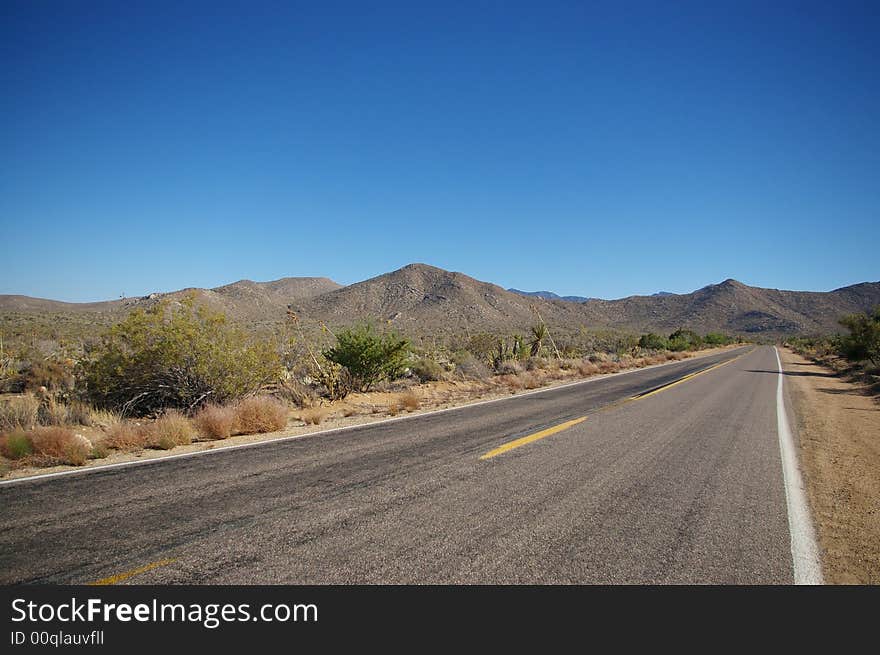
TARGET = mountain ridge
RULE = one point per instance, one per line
(419, 298)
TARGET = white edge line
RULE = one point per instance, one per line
(804, 550)
(266, 442)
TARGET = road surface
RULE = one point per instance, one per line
(616, 480)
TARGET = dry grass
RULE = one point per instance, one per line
(260, 414)
(103, 418)
(531, 381)
(512, 382)
(587, 369)
(409, 401)
(60, 446)
(510, 367)
(127, 436)
(313, 415)
(216, 421)
(170, 430)
(19, 412)
(79, 413)
(348, 411)
(609, 367)
(52, 412)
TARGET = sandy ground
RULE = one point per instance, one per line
(357, 409)
(839, 428)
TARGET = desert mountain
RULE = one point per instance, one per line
(421, 299)
(245, 301)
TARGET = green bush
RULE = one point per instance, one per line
(653, 341)
(684, 340)
(717, 339)
(16, 445)
(863, 341)
(175, 357)
(368, 356)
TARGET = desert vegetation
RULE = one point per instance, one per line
(177, 372)
(854, 354)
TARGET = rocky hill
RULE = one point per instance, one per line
(421, 299)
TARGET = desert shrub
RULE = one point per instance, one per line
(481, 346)
(536, 363)
(19, 412)
(52, 412)
(16, 444)
(55, 375)
(171, 429)
(651, 341)
(99, 451)
(60, 445)
(216, 421)
(79, 413)
(259, 414)
(296, 393)
(336, 380)
(469, 367)
(717, 339)
(127, 436)
(102, 418)
(509, 367)
(427, 369)
(684, 340)
(313, 415)
(175, 357)
(863, 341)
(409, 401)
(609, 367)
(512, 382)
(368, 355)
(587, 368)
(531, 381)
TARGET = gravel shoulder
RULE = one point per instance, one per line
(839, 429)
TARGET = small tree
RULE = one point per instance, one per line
(863, 341)
(175, 356)
(369, 356)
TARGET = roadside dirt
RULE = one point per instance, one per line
(357, 409)
(839, 428)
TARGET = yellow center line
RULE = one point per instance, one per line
(522, 441)
(125, 575)
(690, 376)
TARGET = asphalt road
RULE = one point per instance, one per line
(683, 485)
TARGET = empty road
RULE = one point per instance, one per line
(616, 480)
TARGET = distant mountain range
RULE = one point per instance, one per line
(423, 299)
(549, 295)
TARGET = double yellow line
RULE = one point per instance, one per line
(543, 434)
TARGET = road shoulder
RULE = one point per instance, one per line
(839, 435)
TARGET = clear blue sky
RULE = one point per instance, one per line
(595, 149)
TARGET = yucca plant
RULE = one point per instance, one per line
(539, 332)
